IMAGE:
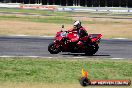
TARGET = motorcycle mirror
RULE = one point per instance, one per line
(62, 26)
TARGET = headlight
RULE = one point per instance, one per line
(57, 35)
(63, 34)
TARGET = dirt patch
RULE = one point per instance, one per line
(13, 27)
(108, 19)
(111, 30)
(28, 28)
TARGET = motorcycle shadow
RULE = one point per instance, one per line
(82, 54)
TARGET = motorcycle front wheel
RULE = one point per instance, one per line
(52, 48)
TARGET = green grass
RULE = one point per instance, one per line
(55, 19)
(34, 11)
(52, 19)
(54, 16)
(56, 13)
(61, 71)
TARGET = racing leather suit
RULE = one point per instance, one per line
(81, 32)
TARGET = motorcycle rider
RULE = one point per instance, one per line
(81, 32)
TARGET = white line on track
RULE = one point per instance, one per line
(78, 57)
(29, 36)
(8, 56)
(117, 58)
(120, 38)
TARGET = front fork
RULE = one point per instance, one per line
(63, 46)
(57, 44)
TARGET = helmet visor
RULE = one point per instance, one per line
(74, 27)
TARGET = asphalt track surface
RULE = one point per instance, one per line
(37, 47)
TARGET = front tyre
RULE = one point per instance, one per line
(53, 49)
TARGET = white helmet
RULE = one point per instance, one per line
(77, 24)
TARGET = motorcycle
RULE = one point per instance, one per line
(70, 42)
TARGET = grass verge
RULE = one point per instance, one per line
(54, 19)
(61, 71)
(33, 11)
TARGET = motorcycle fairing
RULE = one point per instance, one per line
(95, 37)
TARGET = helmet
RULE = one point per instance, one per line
(77, 24)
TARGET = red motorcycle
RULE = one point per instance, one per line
(88, 44)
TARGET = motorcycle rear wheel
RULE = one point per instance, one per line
(52, 48)
(92, 50)
(96, 47)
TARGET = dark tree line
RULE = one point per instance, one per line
(88, 3)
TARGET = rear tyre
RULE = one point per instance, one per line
(95, 48)
(52, 48)
(88, 53)
(91, 50)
